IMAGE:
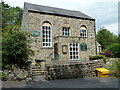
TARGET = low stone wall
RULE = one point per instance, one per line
(73, 70)
(17, 74)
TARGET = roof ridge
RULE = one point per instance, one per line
(52, 7)
(56, 10)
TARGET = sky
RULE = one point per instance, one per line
(104, 11)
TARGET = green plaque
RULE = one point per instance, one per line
(83, 47)
(35, 33)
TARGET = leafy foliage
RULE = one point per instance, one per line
(15, 46)
(103, 57)
(2, 75)
(115, 48)
(106, 38)
(11, 15)
(97, 57)
(115, 69)
(108, 53)
(119, 39)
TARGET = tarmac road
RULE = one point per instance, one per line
(66, 83)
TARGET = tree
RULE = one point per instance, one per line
(11, 15)
(106, 38)
(15, 46)
(115, 48)
(119, 38)
(15, 43)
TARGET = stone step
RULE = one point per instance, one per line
(38, 73)
(35, 67)
(38, 66)
(35, 70)
(35, 74)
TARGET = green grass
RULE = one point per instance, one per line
(115, 69)
(2, 75)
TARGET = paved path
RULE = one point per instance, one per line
(67, 83)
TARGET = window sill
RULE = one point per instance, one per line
(47, 48)
(83, 37)
(70, 37)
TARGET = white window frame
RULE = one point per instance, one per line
(78, 50)
(83, 31)
(47, 36)
(65, 30)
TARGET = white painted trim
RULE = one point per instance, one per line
(83, 28)
(50, 38)
(78, 51)
(69, 31)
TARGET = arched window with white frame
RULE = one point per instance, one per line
(83, 31)
(46, 34)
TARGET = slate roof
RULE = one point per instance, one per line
(56, 11)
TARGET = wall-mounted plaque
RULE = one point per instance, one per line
(83, 47)
(64, 49)
(35, 33)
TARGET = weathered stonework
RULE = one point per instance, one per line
(73, 70)
(34, 21)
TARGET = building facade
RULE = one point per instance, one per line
(59, 35)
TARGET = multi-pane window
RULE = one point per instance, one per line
(46, 36)
(74, 51)
(66, 31)
(83, 32)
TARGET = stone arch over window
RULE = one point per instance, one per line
(46, 34)
(46, 23)
(83, 31)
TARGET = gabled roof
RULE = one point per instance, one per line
(56, 11)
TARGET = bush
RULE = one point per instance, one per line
(108, 53)
(15, 46)
(103, 57)
(115, 48)
(2, 75)
(115, 69)
(97, 57)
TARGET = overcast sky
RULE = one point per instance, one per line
(104, 11)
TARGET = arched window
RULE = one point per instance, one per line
(46, 34)
(83, 31)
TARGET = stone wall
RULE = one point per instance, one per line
(73, 70)
(35, 22)
(17, 74)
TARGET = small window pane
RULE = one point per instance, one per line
(65, 31)
(83, 32)
(73, 51)
(46, 31)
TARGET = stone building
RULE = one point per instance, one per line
(99, 48)
(59, 35)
